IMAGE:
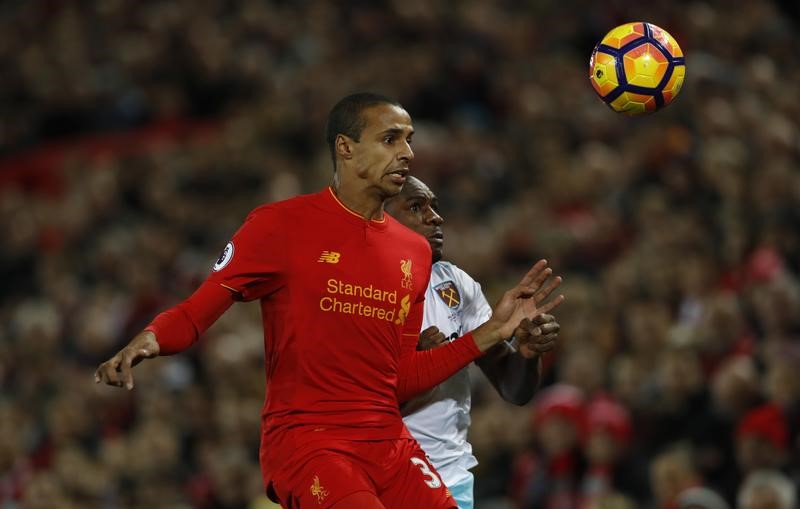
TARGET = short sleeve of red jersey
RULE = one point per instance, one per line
(251, 264)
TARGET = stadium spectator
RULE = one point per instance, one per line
(136, 135)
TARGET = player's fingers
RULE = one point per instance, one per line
(531, 334)
(532, 326)
(538, 280)
(532, 283)
(535, 271)
(522, 332)
(549, 328)
(550, 338)
(139, 356)
(544, 347)
(535, 289)
(552, 304)
(125, 369)
(434, 334)
(107, 372)
(430, 338)
(548, 289)
(430, 331)
(541, 278)
(541, 319)
(104, 370)
(518, 292)
(142, 354)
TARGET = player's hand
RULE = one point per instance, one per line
(431, 338)
(117, 370)
(537, 336)
(526, 300)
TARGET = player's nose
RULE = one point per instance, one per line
(434, 217)
(405, 153)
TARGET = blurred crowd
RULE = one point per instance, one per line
(136, 136)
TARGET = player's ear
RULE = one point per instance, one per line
(344, 146)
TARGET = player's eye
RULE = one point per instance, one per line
(415, 208)
(388, 140)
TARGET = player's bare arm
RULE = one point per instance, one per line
(516, 372)
(117, 370)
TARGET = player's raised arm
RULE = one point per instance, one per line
(515, 369)
(421, 370)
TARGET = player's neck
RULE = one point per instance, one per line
(358, 199)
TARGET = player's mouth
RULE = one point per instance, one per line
(398, 176)
(436, 238)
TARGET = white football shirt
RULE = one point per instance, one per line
(439, 419)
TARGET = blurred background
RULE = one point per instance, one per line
(136, 136)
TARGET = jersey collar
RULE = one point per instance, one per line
(351, 215)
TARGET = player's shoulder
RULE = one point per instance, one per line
(296, 204)
(453, 272)
(446, 276)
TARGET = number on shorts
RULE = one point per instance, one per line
(431, 479)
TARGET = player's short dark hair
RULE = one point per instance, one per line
(345, 117)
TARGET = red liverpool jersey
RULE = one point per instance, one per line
(341, 297)
(341, 301)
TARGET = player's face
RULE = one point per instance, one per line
(418, 209)
(383, 154)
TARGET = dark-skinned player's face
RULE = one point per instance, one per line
(383, 154)
(417, 208)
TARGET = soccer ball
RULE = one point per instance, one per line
(637, 68)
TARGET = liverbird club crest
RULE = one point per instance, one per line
(448, 292)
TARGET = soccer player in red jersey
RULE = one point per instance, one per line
(341, 287)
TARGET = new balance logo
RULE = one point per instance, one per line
(329, 257)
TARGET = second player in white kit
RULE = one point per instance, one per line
(439, 419)
(455, 305)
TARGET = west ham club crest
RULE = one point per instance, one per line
(448, 292)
